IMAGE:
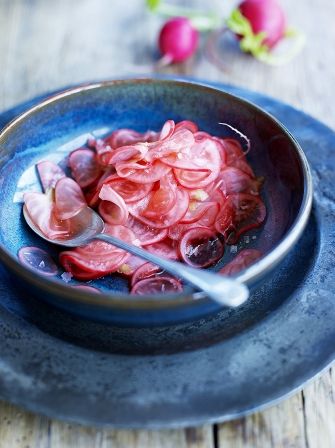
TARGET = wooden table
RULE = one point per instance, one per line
(45, 45)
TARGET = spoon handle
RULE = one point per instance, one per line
(224, 290)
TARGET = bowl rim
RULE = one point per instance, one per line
(160, 301)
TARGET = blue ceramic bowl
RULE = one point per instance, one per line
(63, 122)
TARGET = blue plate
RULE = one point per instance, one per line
(212, 369)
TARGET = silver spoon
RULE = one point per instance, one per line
(88, 225)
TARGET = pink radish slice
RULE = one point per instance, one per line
(133, 153)
(113, 209)
(142, 173)
(237, 181)
(41, 210)
(123, 233)
(167, 130)
(181, 140)
(165, 249)
(201, 247)
(146, 234)
(242, 260)
(249, 212)
(177, 212)
(205, 154)
(125, 137)
(130, 191)
(87, 268)
(104, 152)
(97, 258)
(38, 259)
(69, 199)
(146, 270)
(49, 173)
(163, 199)
(186, 124)
(84, 167)
(157, 285)
(175, 232)
(131, 265)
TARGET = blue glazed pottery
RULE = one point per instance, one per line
(63, 122)
(215, 368)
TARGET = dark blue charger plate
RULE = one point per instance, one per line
(212, 369)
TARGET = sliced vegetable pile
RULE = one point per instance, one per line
(180, 193)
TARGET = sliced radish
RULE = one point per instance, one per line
(242, 260)
(205, 153)
(113, 208)
(38, 259)
(176, 232)
(249, 212)
(162, 200)
(166, 249)
(224, 222)
(104, 152)
(49, 173)
(172, 217)
(146, 234)
(84, 167)
(92, 194)
(167, 130)
(87, 268)
(123, 233)
(130, 191)
(204, 211)
(97, 258)
(145, 173)
(146, 270)
(132, 153)
(176, 192)
(208, 219)
(157, 285)
(131, 265)
(235, 155)
(69, 199)
(201, 247)
(41, 210)
(235, 180)
(126, 137)
(180, 142)
(187, 124)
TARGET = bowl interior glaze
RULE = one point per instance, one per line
(63, 123)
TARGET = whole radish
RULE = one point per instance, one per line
(260, 25)
(178, 40)
(265, 16)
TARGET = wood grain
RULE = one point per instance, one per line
(45, 45)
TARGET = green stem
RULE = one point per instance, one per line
(200, 20)
(297, 46)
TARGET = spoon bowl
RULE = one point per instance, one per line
(85, 226)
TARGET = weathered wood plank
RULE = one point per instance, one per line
(20, 429)
(319, 411)
(281, 426)
(45, 45)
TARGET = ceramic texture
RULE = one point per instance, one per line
(212, 369)
(54, 128)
